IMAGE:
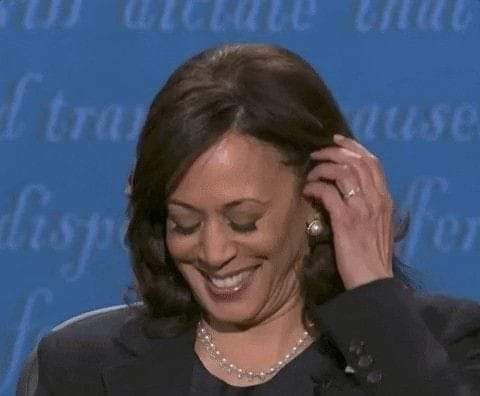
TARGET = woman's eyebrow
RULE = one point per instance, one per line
(228, 205)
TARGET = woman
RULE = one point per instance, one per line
(261, 239)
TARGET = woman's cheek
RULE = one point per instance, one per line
(269, 243)
(179, 248)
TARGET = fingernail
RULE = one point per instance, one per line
(350, 153)
(337, 137)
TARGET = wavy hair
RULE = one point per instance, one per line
(264, 91)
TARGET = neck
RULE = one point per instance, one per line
(273, 337)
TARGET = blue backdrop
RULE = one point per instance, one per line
(76, 77)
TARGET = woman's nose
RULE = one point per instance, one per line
(216, 248)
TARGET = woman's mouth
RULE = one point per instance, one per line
(231, 281)
(229, 288)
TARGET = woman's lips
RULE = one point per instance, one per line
(229, 288)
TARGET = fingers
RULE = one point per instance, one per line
(343, 175)
(365, 164)
(355, 166)
(370, 160)
(329, 196)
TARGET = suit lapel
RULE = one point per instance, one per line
(160, 366)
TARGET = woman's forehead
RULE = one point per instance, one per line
(234, 167)
(240, 148)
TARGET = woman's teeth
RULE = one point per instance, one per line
(230, 282)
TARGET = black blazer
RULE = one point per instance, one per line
(381, 339)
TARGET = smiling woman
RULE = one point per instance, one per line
(262, 247)
(232, 253)
(224, 137)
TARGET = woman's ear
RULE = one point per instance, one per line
(312, 210)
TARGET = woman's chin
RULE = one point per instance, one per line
(238, 318)
(244, 312)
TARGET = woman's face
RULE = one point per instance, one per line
(236, 231)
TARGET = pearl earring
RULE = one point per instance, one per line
(315, 227)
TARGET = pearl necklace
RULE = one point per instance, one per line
(207, 341)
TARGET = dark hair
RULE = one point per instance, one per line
(263, 91)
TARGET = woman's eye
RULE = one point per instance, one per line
(244, 227)
(183, 230)
(249, 227)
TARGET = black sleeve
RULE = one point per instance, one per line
(32, 379)
(390, 350)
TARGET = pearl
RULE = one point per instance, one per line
(315, 228)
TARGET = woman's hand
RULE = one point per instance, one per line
(361, 223)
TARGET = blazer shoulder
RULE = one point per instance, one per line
(96, 323)
(92, 332)
(75, 350)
